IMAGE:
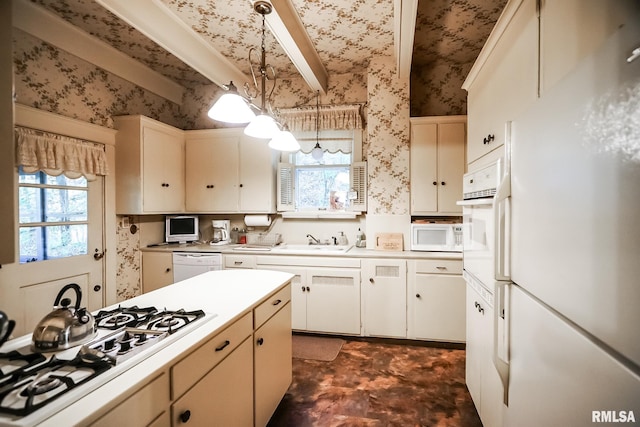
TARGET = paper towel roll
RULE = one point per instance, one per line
(257, 220)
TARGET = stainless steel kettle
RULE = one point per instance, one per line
(65, 326)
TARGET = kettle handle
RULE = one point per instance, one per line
(73, 286)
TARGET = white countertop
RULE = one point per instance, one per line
(229, 294)
(351, 253)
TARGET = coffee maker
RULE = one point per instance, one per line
(221, 230)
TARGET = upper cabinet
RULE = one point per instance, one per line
(228, 172)
(504, 78)
(570, 30)
(149, 167)
(437, 164)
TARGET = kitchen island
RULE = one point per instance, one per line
(232, 366)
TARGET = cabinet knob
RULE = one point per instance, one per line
(167, 270)
(303, 289)
(241, 186)
(260, 341)
(435, 183)
(418, 296)
(443, 183)
(210, 186)
(488, 139)
(371, 280)
(308, 289)
(185, 416)
(97, 288)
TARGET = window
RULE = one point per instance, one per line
(329, 185)
(322, 185)
(53, 216)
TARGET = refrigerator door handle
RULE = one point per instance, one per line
(501, 337)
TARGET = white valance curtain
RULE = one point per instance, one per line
(56, 154)
(334, 133)
(330, 117)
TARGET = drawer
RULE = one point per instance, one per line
(274, 303)
(189, 370)
(439, 266)
(141, 408)
(239, 261)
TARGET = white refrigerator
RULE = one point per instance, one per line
(573, 310)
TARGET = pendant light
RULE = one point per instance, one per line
(284, 141)
(317, 153)
(231, 108)
(263, 125)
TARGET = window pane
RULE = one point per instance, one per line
(339, 158)
(65, 205)
(322, 188)
(68, 182)
(30, 244)
(30, 205)
(29, 178)
(66, 240)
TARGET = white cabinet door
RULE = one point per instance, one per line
(257, 176)
(438, 308)
(507, 82)
(149, 166)
(482, 378)
(212, 172)
(333, 300)
(157, 270)
(163, 171)
(273, 370)
(384, 297)
(222, 397)
(228, 172)
(437, 164)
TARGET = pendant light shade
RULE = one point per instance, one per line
(284, 141)
(231, 108)
(317, 152)
(263, 126)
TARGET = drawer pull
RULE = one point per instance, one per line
(185, 416)
(223, 346)
(439, 267)
(276, 302)
(238, 262)
(260, 341)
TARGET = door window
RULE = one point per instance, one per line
(53, 216)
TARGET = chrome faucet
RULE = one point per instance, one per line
(313, 240)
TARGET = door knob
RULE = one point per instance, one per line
(98, 255)
(184, 417)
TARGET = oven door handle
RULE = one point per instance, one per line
(502, 229)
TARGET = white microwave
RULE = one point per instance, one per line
(436, 237)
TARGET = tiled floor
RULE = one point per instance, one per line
(379, 384)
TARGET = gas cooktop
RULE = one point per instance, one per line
(34, 385)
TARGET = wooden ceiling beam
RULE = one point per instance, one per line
(156, 21)
(405, 13)
(287, 27)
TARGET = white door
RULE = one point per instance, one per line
(30, 288)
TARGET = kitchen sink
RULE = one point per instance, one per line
(311, 249)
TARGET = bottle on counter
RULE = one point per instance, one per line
(234, 235)
(342, 239)
(361, 241)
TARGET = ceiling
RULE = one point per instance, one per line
(345, 34)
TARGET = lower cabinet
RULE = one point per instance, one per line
(273, 364)
(482, 379)
(157, 270)
(235, 378)
(436, 301)
(223, 397)
(384, 297)
(145, 407)
(323, 299)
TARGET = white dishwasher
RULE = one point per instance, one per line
(189, 264)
